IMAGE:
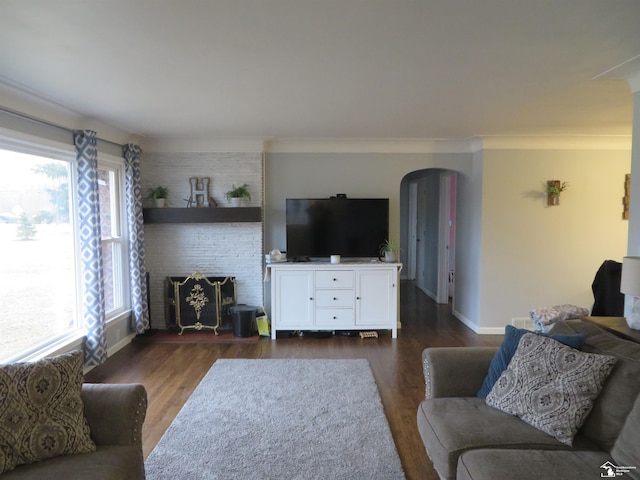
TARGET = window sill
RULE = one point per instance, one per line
(65, 343)
(118, 316)
(71, 341)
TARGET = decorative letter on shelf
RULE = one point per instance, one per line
(200, 192)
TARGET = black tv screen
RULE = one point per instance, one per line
(351, 227)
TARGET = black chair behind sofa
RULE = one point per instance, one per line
(609, 302)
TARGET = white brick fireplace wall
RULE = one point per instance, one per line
(216, 249)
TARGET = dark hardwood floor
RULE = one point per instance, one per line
(171, 371)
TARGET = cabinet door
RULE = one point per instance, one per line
(375, 298)
(293, 303)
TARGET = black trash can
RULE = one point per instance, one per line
(244, 320)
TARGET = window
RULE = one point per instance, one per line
(39, 268)
(38, 301)
(110, 176)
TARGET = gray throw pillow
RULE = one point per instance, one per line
(550, 386)
(41, 412)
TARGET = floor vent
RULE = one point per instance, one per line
(523, 322)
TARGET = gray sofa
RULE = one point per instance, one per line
(115, 413)
(467, 439)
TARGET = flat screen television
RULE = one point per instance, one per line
(351, 227)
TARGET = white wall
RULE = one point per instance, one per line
(308, 175)
(534, 255)
(214, 249)
(469, 206)
(513, 252)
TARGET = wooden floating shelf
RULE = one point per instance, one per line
(202, 215)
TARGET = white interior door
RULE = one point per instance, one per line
(444, 237)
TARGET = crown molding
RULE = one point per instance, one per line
(367, 145)
(555, 142)
(388, 145)
(22, 100)
(303, 145)
(170, 144)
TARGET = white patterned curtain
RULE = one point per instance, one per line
(93, 306)
(137, 268)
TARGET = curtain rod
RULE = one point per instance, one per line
(49, 124)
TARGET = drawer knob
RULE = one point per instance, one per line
(310, 298)
(335, 279)
(335, 317)
(357, 298)
(335, 298)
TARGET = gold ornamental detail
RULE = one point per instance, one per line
(197, 276)
(197, 299)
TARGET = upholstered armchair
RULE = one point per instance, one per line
(114, 413)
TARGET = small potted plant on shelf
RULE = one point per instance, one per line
(389, 249)
(236, 195)
(159, 195)
(554, 189)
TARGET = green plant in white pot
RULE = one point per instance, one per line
(159, 195)
(390, 250)
(236, 195)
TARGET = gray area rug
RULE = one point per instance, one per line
(280, 419)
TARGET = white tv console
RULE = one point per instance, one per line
(341, 296)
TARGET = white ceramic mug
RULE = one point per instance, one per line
(335, 258)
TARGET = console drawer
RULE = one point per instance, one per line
(334, 279)
(335, 317)
(335, 298)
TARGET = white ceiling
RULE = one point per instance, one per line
(327, 68)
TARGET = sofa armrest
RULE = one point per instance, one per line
(455, 371)
(115, 412)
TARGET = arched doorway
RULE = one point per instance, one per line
(427, 230)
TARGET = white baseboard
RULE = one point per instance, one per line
(465, 320)
(474, 327)
(121, 344)
(118, 333)
(429, 294)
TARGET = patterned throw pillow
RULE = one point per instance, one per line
(545, 316)
(503, 356)
(41, 412)
(550, 386)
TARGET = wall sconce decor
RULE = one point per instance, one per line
(554, 189)
(625, 199)
(630, 285)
